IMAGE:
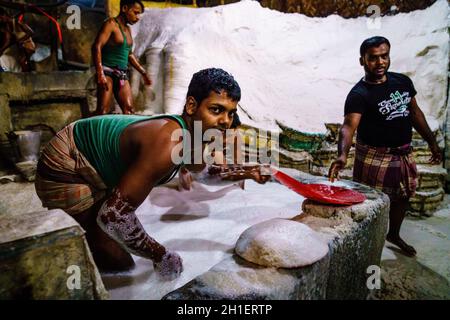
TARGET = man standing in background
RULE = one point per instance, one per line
(112, 51)
(383, 108)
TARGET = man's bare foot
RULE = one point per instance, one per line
(406, 248)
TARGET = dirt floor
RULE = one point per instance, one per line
(426, 276)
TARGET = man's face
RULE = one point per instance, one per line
(376, 61)
(216, 111)
(132, 13)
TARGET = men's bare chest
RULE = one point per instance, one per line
(117, 38)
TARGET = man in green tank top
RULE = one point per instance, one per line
(77, 167)
(112, 51)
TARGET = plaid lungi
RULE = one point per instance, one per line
(390, 170)
(65, 179)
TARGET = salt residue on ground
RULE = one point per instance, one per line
(203, 226)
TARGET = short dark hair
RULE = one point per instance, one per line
(130, 3)
(372, 42)
(213, 79)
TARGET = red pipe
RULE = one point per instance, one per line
(58, 27)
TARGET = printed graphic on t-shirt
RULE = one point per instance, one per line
(396, 106)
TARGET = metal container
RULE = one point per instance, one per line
(26, 144)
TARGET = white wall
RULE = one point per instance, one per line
(291, 68)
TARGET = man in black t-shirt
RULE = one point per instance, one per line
(383, 108)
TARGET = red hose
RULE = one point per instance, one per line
(58, 27)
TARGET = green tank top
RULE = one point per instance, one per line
(116, 56)
(98, 139)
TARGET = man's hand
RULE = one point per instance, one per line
(102, 82)
(147, 80)
(236, 173)
(258, 175)
(185, 179)
(335, 167)
(436, 154)
(170, 266)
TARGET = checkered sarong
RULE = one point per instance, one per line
(390, 170)
(65, 179)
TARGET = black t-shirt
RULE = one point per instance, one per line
(385, 120)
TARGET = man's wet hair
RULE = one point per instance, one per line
(129, 3)
(371, 43)
(213, 79)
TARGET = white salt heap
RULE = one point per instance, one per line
(291, 68)
(203, 226)
(281, 243)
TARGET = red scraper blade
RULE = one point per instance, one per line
(320, 192)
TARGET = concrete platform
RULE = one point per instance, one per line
(429, 236)
(44, 255)
(355, 236)
(426, 276)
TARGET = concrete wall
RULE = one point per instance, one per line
(53, 99)
(46, 100)
(39, 252)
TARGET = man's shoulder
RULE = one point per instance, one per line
(160, 129)
(358, 89)
(110, 20)
(157, 138)
(109, 23)
(398, 76)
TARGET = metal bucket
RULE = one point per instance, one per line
(26, 144)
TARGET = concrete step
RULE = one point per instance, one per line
(425, 202)
(430, 177)
(44, 255)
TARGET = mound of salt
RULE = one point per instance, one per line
(281, 243)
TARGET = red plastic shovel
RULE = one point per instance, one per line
(320, 192)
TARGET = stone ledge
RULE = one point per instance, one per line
(36, 251)
(355, 236)
(23, 86)
(430, 177)
(426, 202)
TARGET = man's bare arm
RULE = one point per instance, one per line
(351, 122)
(100, 41)
(135, 63)
(152, 164)
(420, 124)
(117, 216)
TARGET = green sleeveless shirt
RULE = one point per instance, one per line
(116, 56)
(98, 139)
